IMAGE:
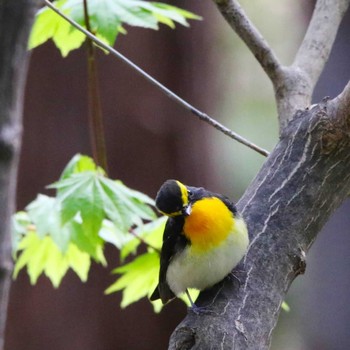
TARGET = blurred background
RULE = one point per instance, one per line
(150, 139)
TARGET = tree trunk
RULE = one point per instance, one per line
(15, 21)
(306, 177)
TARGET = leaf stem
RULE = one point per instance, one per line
(97, 134)
(201, 115)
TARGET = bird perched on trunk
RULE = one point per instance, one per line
(203, 240)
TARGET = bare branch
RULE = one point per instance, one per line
(293, 85)
(202, 116)
(296, 89)
(319, 38)
(245, 29)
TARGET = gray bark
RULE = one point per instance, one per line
(15, 21)
(306, 177)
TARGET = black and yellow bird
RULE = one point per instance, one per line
(203, 240)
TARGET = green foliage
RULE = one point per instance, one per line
(106, 18)
(65, 232)
(139, 278)
(150, 233)
(42, 255)
(70, 229)
(48, 25)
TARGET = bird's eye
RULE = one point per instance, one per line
(189, 192)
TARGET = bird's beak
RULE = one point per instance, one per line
(186, 211)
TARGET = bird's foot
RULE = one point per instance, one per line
(200, 310)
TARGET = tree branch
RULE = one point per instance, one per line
(202, 116)
(293, 85)
(245, 29)
(300, 78)
(309, 168)
(15, 21)
(319, 38)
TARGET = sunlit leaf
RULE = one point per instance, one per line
(125, 207)
(78, 164)
(45, 213)
(64, 232)
(139, 278)
(168, 14)
(106, 19)
(150, 233)
(91, 244)
(49, 25)
(56, 266)
(41, 255)
(79, 194)
(28, 245)
(111, 234)
(79, 261)
(20, 225)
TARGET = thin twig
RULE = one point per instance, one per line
(245, 29)
(97, 133)
(169, 93)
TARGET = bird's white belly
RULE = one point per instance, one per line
(193, 269)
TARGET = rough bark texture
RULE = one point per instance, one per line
(306, 177)
(15, 21)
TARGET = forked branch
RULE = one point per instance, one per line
(319, 38)
(293, 84)
(245, 29)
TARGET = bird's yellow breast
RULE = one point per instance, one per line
(209, 224)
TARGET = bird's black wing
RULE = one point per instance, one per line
(173, 242)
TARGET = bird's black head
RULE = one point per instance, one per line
(172, 198)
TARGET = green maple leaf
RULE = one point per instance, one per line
(49, 25)
(41, 255)
(45, 213)
(106, 19)
(66, 231)
(139, 278)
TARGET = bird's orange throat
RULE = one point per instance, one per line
(209, 224)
